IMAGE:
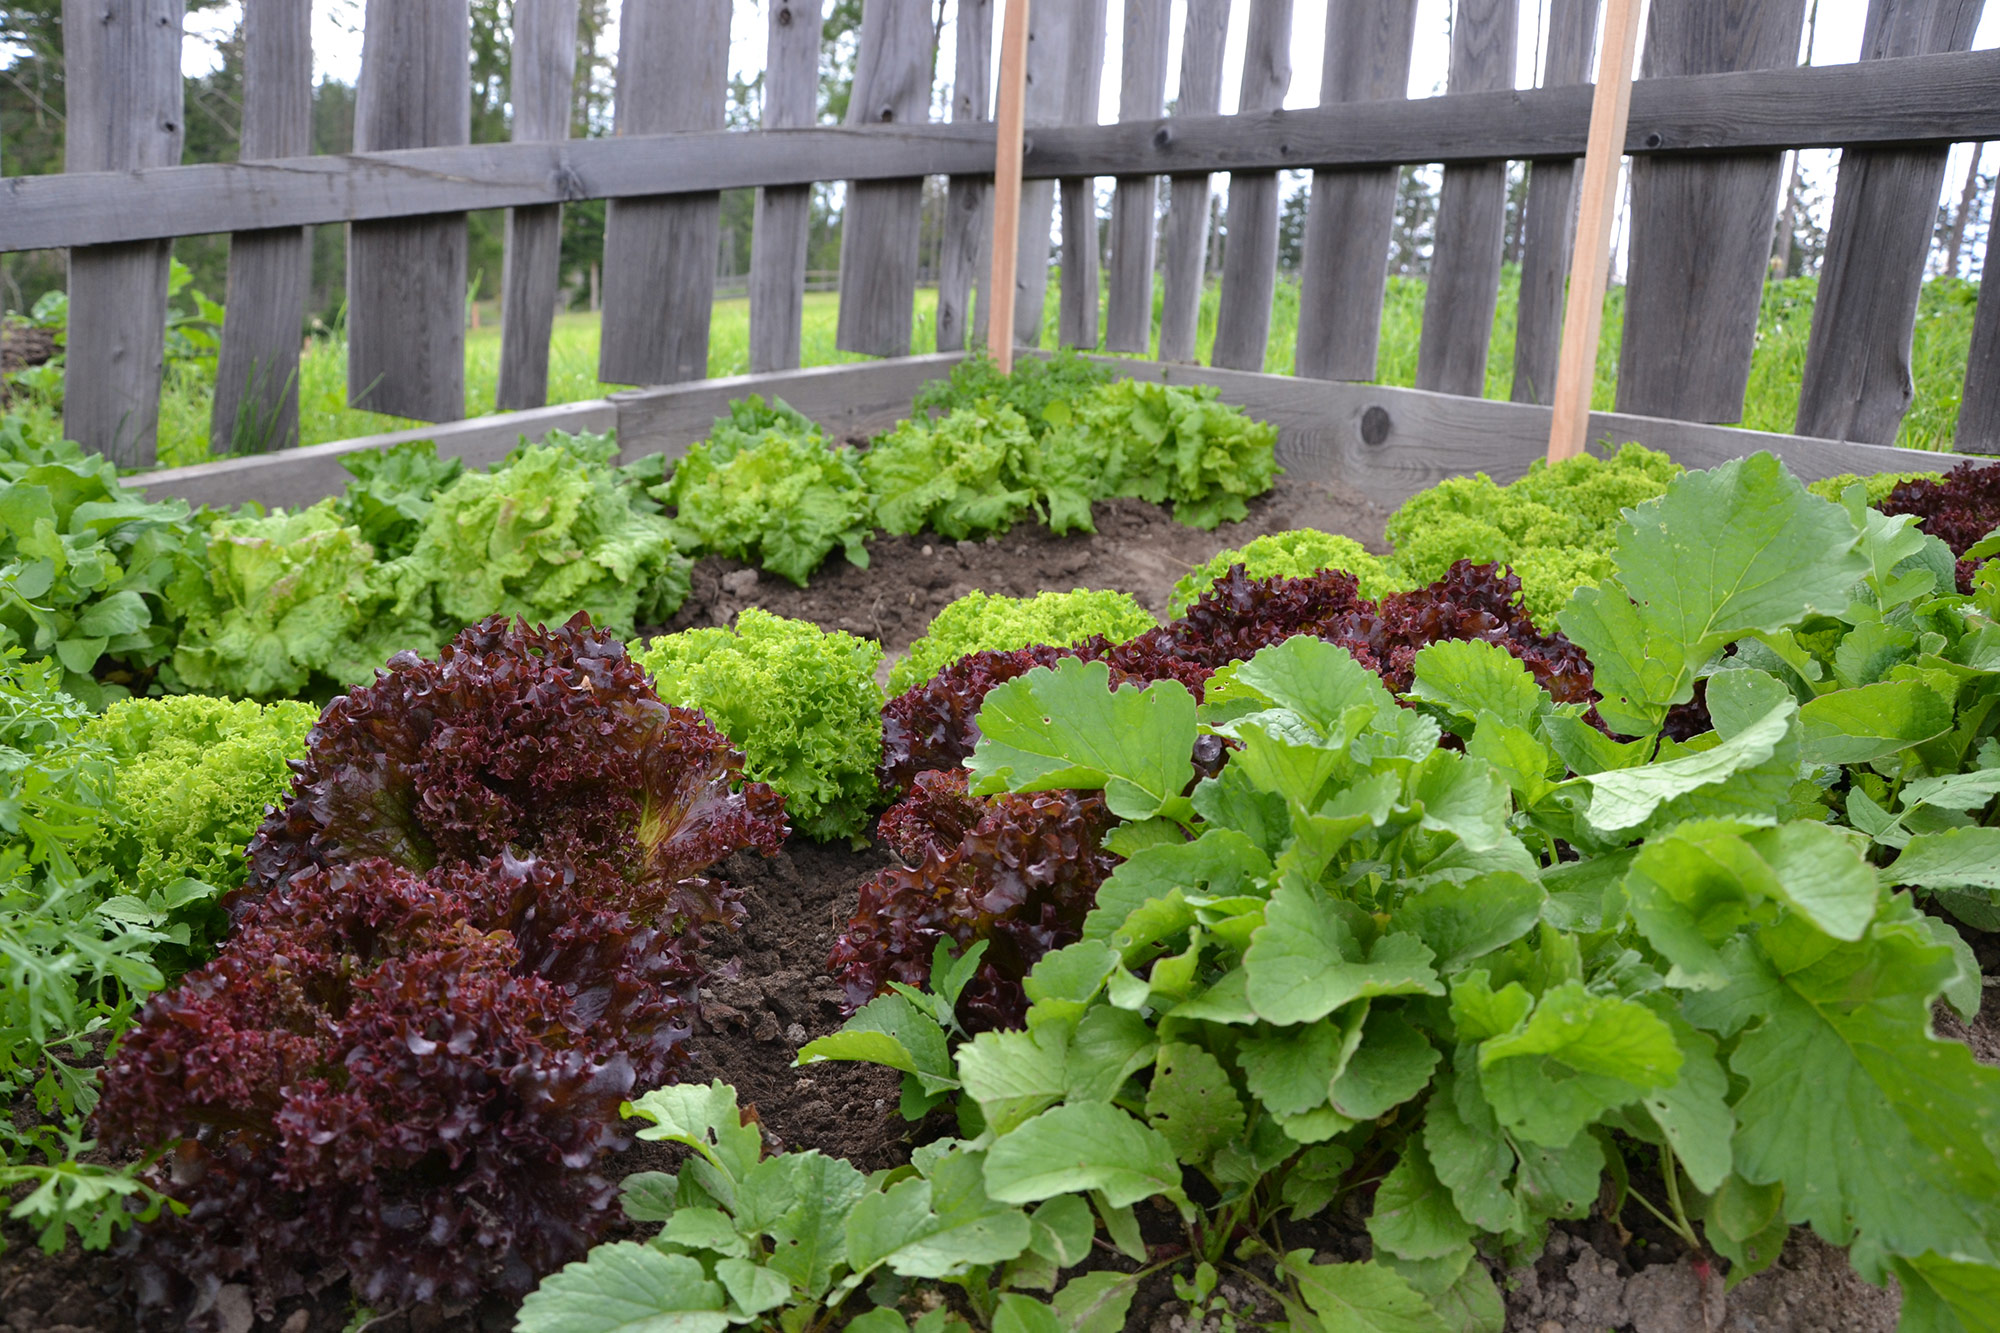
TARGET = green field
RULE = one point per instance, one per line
(1944, 329)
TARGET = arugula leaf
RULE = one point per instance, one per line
(1067, 727)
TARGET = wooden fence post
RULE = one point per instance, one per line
(1701, 224)
(1250, 254)
(1142, 91)
(1464, 287)
(879, 234)
(1857, 379)
(1003, 283)
(123, 71)
(1979, 405)
(1351, 215)
(1551, 220)
(1076, 319)
(968, 205)
(544, 78)
(659, 252)
(256, 407)
(406, 277)
(779, 239)
(1045, 104)
(1186, 241)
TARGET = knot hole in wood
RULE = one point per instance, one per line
(1375, 425)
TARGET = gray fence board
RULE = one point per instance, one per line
(1046, 104)
(256, 405)
(968, 210)
(1076, 316)
(1701, 226)
(659, 252)
(1858, 381)
(125, 108)
(1250, 255)
(1979, 405)
(1142, 90)
(1550, 224)
(779, 238)
(1922, 100)
(1186, 241)
(406, 278)
(544, 75)
(1351, 214)
(1464, 285)
(879, 232)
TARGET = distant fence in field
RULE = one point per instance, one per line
(1720, 100)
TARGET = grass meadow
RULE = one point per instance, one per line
(1943, 334)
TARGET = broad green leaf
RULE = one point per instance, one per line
(1392, 1064)
(1414, 1216)
(1291, 1069)
(1109, 1046)
(1024, 1314)
(1469, 1155)
(1520, 758)
(1460, 920)
(1954, 791)
(1626, 798)
(1738, 697)
(626, 1288)
(1480, 1012)
(1479, 682)
(1089, 1146)
(1873, 722)
(1559, 1182)
(1472, 1304)
(1096, 1302)
(1192, 1103)
(1361, 1298)
(1821, 874)
(704, 1229)
(1063, 1229)
(1319, 681)
(1064, 980)
(1578, 1056)
(120, 613)
(935, 1227)
(1960, 858)
(1734, 550)
(705, 1118)
(891, 1031)
(1015, 1075)
(1066, 727)
(1314, 1180)
(1693, 1112)
(649, 1196)
(809, 1236)
(752, 1289)
(1943, 1295)
(1869, 1121)
(1221, 861)
(1463, 796)
(1304, 962)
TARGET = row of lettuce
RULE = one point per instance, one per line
(138, 598)
(1305, 896)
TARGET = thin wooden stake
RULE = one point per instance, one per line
(1007, 182)
(1590, 259)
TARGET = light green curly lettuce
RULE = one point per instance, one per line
(1170, 442)
(1291, 555)
(542, 537)
(1878, 485)
(980, 622)
(284, 605)
(192, 778)
(801, 703)
(1556, 526)
(962, 476)
(766, 487)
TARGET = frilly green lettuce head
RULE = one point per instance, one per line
(979, 622)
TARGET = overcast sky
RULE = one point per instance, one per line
(337, 53)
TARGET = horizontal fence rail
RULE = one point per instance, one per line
(1937, 99)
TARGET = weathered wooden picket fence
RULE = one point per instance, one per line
(1720, 98)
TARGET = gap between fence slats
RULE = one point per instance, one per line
(780, 236)
(1183, 267)
(406, 278)
(968, 207)
(659, 252)
(1701, 225)
(881, 229)
(1076, 318)
(1250, 254)
(125, 110)
(1142, 91)
(1550, 225)
(1858, 381)
(1464, 285)
(256, 405)
(544, 72)
(1351, 214)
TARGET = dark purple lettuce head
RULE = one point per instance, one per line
(411, 1074)
(538, 742)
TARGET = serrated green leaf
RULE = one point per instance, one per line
(1089, 1146)
(1460, 920)
(1559, 1182)
(1319, 682)
(891, 1031)
(1015, 1075)
(1693, 1112)
(1626, 798)
(1578, 1056)
(1873, 722)
(704, 1229)
(1024, 1314)
(1361, 1298)
(1192, 1103)
(626, 1288)
(1066, 727)
(1461, 795)
(752, 1289)
(1304, 962)
(1290, 1070)
(1960, 858)
(1414, 1215)
(1392, 1064)
(808, 1227)
(705, 1118)
(1478, 682)
(649, 1196)
(935, 1227)
(1469, 1155)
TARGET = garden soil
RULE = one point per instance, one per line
(769, 992)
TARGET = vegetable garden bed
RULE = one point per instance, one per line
(1438, 1017)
